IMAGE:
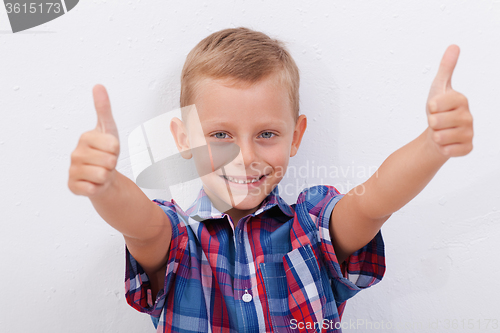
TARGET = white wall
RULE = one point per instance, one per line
(366, 70)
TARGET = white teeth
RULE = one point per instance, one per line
(239, 181)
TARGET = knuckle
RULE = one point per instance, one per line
(76, 188)
(470, 119)
(76, 155)
(470, 134)
(73, 172)
(433, 121)
(463, 99)
(102, 175)
(436, 137)
(466, 118)
(114, 145)
(445, 151)
(465, 150)
(432, 105)
(71, 186)
(91, 189)
(112, 161)
(90, 139)
(86, 136)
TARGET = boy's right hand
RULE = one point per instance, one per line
(94, 159)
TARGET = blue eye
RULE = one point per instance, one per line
(267, 135)
(220, 135)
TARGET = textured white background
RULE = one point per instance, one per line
(366, 70)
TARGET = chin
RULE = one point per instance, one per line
(246, 202)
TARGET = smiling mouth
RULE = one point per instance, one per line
(242, 181)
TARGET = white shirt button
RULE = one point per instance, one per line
(246, 297)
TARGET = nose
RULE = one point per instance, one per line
(247, 154)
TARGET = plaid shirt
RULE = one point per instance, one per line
(275, 271)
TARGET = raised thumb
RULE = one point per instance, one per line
(442, 81)
(105, 121)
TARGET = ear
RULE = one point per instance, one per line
(300, 128)
(179, 132)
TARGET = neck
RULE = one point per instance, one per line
(235, 213)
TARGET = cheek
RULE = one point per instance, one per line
(278, 159)
(215, 184)
(207, 179)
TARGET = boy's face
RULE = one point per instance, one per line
(260, 120)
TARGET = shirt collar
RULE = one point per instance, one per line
(203, 209)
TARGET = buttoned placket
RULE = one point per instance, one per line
(243, 292)
(246, 298)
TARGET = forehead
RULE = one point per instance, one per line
(229, 99)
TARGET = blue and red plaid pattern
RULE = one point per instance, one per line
(281, 255)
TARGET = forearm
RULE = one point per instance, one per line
(400, 178)
(358, 216)
(127, 209)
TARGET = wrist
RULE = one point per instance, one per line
(432, 148)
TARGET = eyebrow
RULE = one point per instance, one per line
(226, 123)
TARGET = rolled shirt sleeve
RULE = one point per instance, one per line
(361, 269)
(137, 283)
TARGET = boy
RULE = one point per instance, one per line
(240, 259)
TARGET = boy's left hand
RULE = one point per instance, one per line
(450, 121)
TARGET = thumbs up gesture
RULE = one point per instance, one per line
(94, 159)
(450, 121)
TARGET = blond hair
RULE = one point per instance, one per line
(243, 56)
